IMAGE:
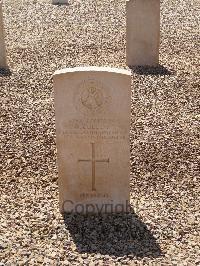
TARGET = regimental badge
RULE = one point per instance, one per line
(91, 97)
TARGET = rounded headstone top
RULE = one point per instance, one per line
(93, 69)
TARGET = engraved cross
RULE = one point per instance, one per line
(94, 161)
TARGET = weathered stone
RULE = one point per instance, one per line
(92, 126)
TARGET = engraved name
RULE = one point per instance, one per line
(93, 128)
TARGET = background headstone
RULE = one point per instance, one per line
(143, 32)
(3, 63)
(93, 108)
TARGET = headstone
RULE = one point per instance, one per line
(92, 130)
(143, 32)
(60, 2)
(3, 63)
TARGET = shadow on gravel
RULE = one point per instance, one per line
(4, 72)
(112, 234)
(61, 4)
(147, 70)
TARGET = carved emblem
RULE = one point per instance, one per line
(91, 97)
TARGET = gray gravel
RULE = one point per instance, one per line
(163, 226)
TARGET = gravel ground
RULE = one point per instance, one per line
(163, 226)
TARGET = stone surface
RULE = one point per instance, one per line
(3, 63)
(59, 2)
(143, 32)
(92, 130)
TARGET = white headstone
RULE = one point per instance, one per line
(93, 106)
(143, 32)
(3, 63)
